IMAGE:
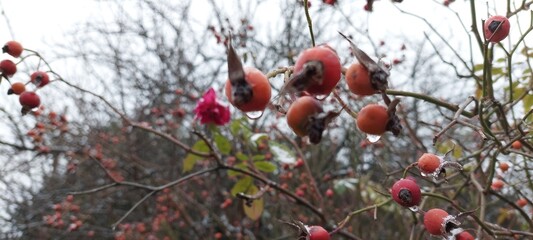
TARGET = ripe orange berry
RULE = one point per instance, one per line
(504, 166)
(261, 91)
(330, 67)
(516, 145)
(373, 119)
(497, 184)
(8, 67)
(17, 88)
(13, 48)
(428, 163)
(358, 80)
(521, 202)
(434, 220)
(39, 78)
(300, 112)
(496, 28)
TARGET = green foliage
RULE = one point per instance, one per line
(191, 158)
(242, 185)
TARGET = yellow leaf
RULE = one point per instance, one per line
(256, 209)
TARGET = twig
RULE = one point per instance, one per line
(350, 215)
(114, 225)
(456, 120)
(309, 22)
(430, 99)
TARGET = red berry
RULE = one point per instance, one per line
(29, 100)
(521, 202)
(496, 28)
(140, 227)
(373, 119)
(406, 192)
(497, 184)
(8, 67)
(299, 163)
(428, 163)
(13, 48)
(70, 198)
(516, 145)
(326, 63)
(329, 192)
(40, 79)
(464, 236)
(318, 233)
(434, 220)
(368, 7)
(504, 166)
(329, 2)
(300, 192)
(57, 207)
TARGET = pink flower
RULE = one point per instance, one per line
(210, 110)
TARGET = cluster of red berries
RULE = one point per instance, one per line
(407, 193)
(316, 73)
(65, 212)
(28, 99)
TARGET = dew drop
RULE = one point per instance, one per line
(254, 115)
(414, 209)
(373, 138)
(321, 97)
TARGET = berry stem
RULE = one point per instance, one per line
(309, 22)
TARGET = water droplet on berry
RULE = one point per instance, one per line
(321, 97)
(254, 115)
(415, 209)
(373, 138)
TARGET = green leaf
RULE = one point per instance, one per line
(258, 158)
(444, 147)
(242, 185)
(265, 166)
(517, 92)
(241, 156)
(240, 129)
(189, 162)
(239, 166)
(254, 212)
(478, 67)
(497, 71)
(282, 153)
(191, 158)
(500, 60)
(222, 143)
